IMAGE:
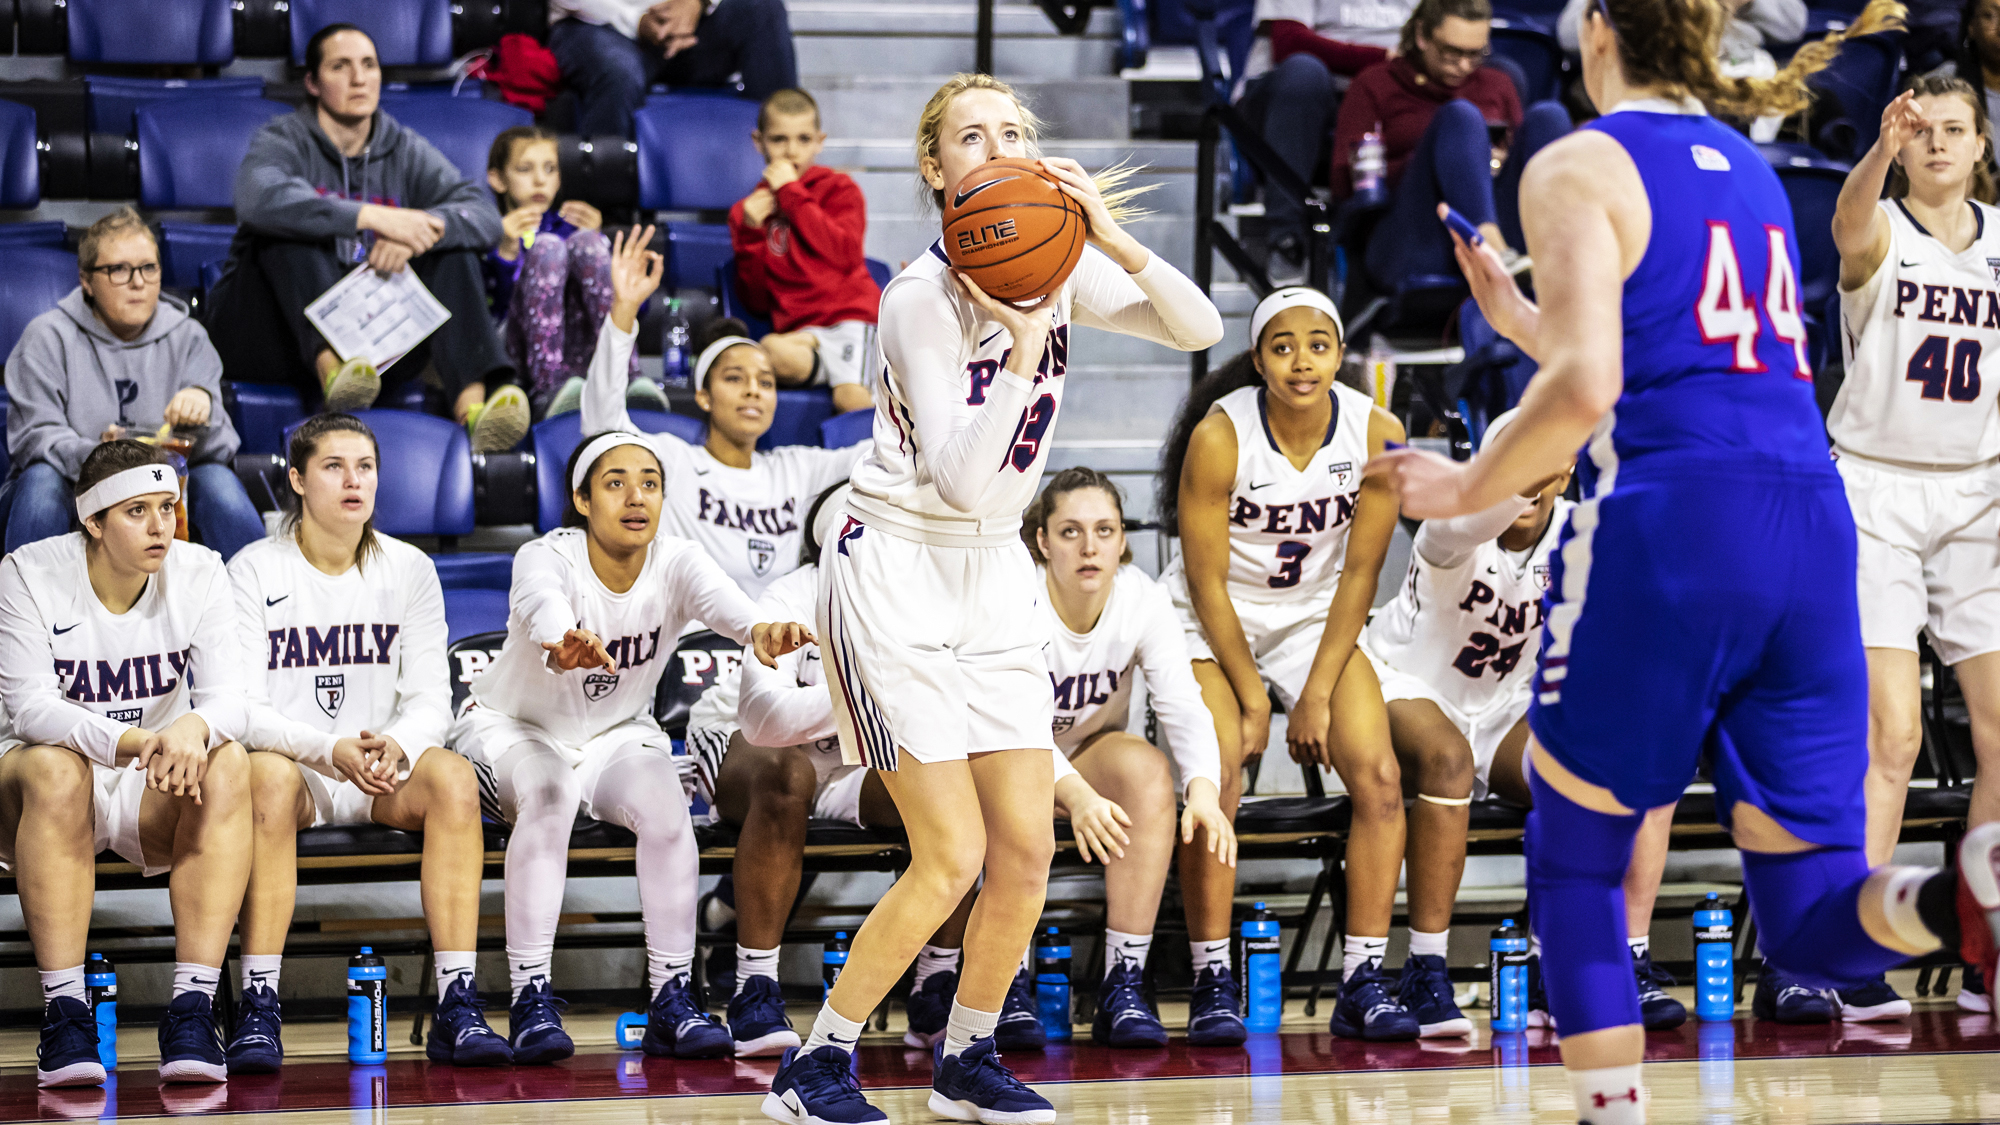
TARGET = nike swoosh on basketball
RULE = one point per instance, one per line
(958, 198)
(269, 602)
(65, 629)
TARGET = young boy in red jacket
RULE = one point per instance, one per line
(798, 238)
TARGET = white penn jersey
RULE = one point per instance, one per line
(750, 521)
(1288, 526)
(784, 706)
(336, 654)
(1092, 675)
(555, 590)
(1468, 619)
(1916, 336)
(72, 673)
(960, 441)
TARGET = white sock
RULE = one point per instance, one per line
(260, 969)
(449, 967)
(1534, 945)
(1126, 949)
(1361, 950)
(64, 982)
(1609, 1095)
(1428, 945)
(830, 1028)
(1210, 955)
(1641, 945)
(525, 965)
(663, 967)
(932, 961)
(1028, 959)
(1899, 906)
(965, 1025)
(190, 977)
(755, 963)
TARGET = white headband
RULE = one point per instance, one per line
(833, 509)
(598, 447)
(1294, 297)
(140, 480)
(714, 352)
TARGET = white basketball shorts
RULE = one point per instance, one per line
(1484, 732)
(1283, 636)
(1929, 556)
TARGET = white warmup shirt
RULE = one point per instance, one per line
(72, 673)
(784, 706)
(960, 442)
(1092, 675)
(750, 521)
(341, 654)
(1917, 335)
(1468, 619)
(555, 590)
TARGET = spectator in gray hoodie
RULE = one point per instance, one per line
(113, 359)
(338, 183)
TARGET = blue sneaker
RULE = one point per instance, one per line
(1872, 1000)
(1124, 1019)
(257, 1047)
(973, 1086)
(677, 1025)
(1020, 1026)
(534, 1026)
(1213, 1017)
(67, 1055)
(460, 1034)
(1785, 1000)
(757, 1020)
(1657, 1010)
(1366, 1010)
(191, 1041)
(1425, 990)
(929, 1007)
(818, 1089)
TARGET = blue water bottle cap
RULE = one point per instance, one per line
(840, 935)
(97, 957)
(1256, 906)
(1711, 896)
(367, 949)
(1052, 929)
(1506, 923)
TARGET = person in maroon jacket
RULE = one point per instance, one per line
(798, 238)
(1453, 132)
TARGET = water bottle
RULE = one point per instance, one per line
(1371, 165)
(100, 982)
(1716, 1076)
(367, 1008)
(1507, 977)
(675, 345)
(832, 959)
(368, 1095)
(1714, 961)
(630, 1030)
(1263, 993)
(1510, 1072)
(1052, 984)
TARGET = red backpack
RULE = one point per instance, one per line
(524, 70)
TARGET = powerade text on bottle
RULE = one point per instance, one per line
(832, 960)
(1263, 992)
(1507, 977)
(367, 1008)
(100, 981)
(1714, 961)
(1052, 984)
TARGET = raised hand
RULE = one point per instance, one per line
(579, 648)
(772, 641)
(1902, 120)
(635, 274)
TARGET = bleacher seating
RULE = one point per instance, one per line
(694, 154)
(32, 280)
(697, 253)
(1536, 51)
(263, 414)
(52, 233)
(471, 612)
(189, 151)
(553, 440)
(461, 128)
(114, 100)
(1855, 87)
(1812, 183)
(843, 430)
(188, 249)
(186, 32)
(20, 160)
(406, 32)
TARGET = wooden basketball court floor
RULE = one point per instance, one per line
(1941, 1065)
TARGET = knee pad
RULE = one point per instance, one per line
(1576, 872)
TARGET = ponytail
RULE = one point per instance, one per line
(1239, 372)
(1672, 44)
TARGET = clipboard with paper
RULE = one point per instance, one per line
(375, 317)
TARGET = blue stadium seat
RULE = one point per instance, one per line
(32, 280)
(732, 299)
(20, 162)
(880, 271)
(1812, 184)
(53, 233)
(6, 463)
(113, 101)
(179, 32)
(554, 439)
(799, 415)
(1536, 52)
(263, 414)
(694, 153)
(1543, 14)
(188, 249)
(695, 252)
(189, 150)
(1858, 84)
(843, 430)
(1500, 371)
(461, 128)
(471, 612)
(406, 32)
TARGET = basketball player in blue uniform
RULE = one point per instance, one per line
(1703, 599)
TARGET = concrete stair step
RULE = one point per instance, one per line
(1120, 402)
(887, 106)
(1024, 57)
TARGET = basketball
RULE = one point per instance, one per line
(1011, 229)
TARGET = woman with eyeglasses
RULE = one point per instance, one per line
(1453, 131)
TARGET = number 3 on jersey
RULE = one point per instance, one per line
(1028, 433)
(1727, 313)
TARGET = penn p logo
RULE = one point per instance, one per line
(330, 692)
(597, 685)
(1993, 264)
(763, 553)
(1342, 473)
(1541, 576)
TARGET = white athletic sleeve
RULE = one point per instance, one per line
(29, 684)
(539, 596)
(702, 592)
(604, 384)
(1157, 303)
(1162, 656)
(964, 448)
(270, 729)
(775, 711)
(218, 667)
(1448, 543)
(422, 717)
